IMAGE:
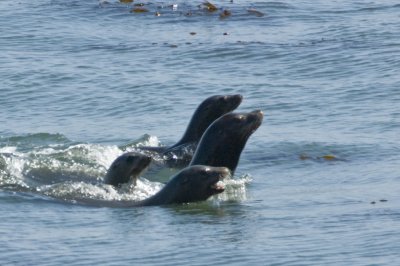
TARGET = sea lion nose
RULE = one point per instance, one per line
(256, 115)
(258, 112)
(237, 98)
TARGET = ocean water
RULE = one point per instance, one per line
(317, 184)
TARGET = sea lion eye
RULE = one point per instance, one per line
(238, 119)
(205, 171)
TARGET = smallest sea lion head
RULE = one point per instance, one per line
(126, 168)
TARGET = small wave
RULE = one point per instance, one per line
(55, 155)
(8, 150)
(368, 9)
(235, 190)
(11, 165)
(72, 191)
(37, 140)
(145, 140)
(38, 165)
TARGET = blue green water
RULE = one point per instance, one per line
(318, 183)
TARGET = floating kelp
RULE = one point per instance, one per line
(225, 13)
(304, 157)
(103, 2)
(208, 6)
(329, 157)
(139, 10)
(205, 7)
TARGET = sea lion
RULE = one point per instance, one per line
(126, 167)
(192, 184)
(224, 140)
(207, 112)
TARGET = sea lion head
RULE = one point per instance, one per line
(224, 140)
(127, 167)
(197, 183)
(207, 112)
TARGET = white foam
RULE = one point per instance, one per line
(15, 165)
(77, 190)
(8, 149)
(88, 160)
(104, 155)
(143, 189)
(81, 190)
(150, 141)
(235, 189)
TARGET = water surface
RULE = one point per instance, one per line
(317, 183)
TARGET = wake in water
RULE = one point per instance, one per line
(55, 167)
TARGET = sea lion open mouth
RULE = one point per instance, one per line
(218, 187)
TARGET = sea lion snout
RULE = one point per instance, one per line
(256, 114)
(235, 99)
(256, 117)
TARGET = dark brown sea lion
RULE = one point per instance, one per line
(127, 168)
(192, 184)
(224, 140)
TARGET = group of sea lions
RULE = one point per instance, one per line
(218, 137)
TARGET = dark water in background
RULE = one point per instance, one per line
(79, 80)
